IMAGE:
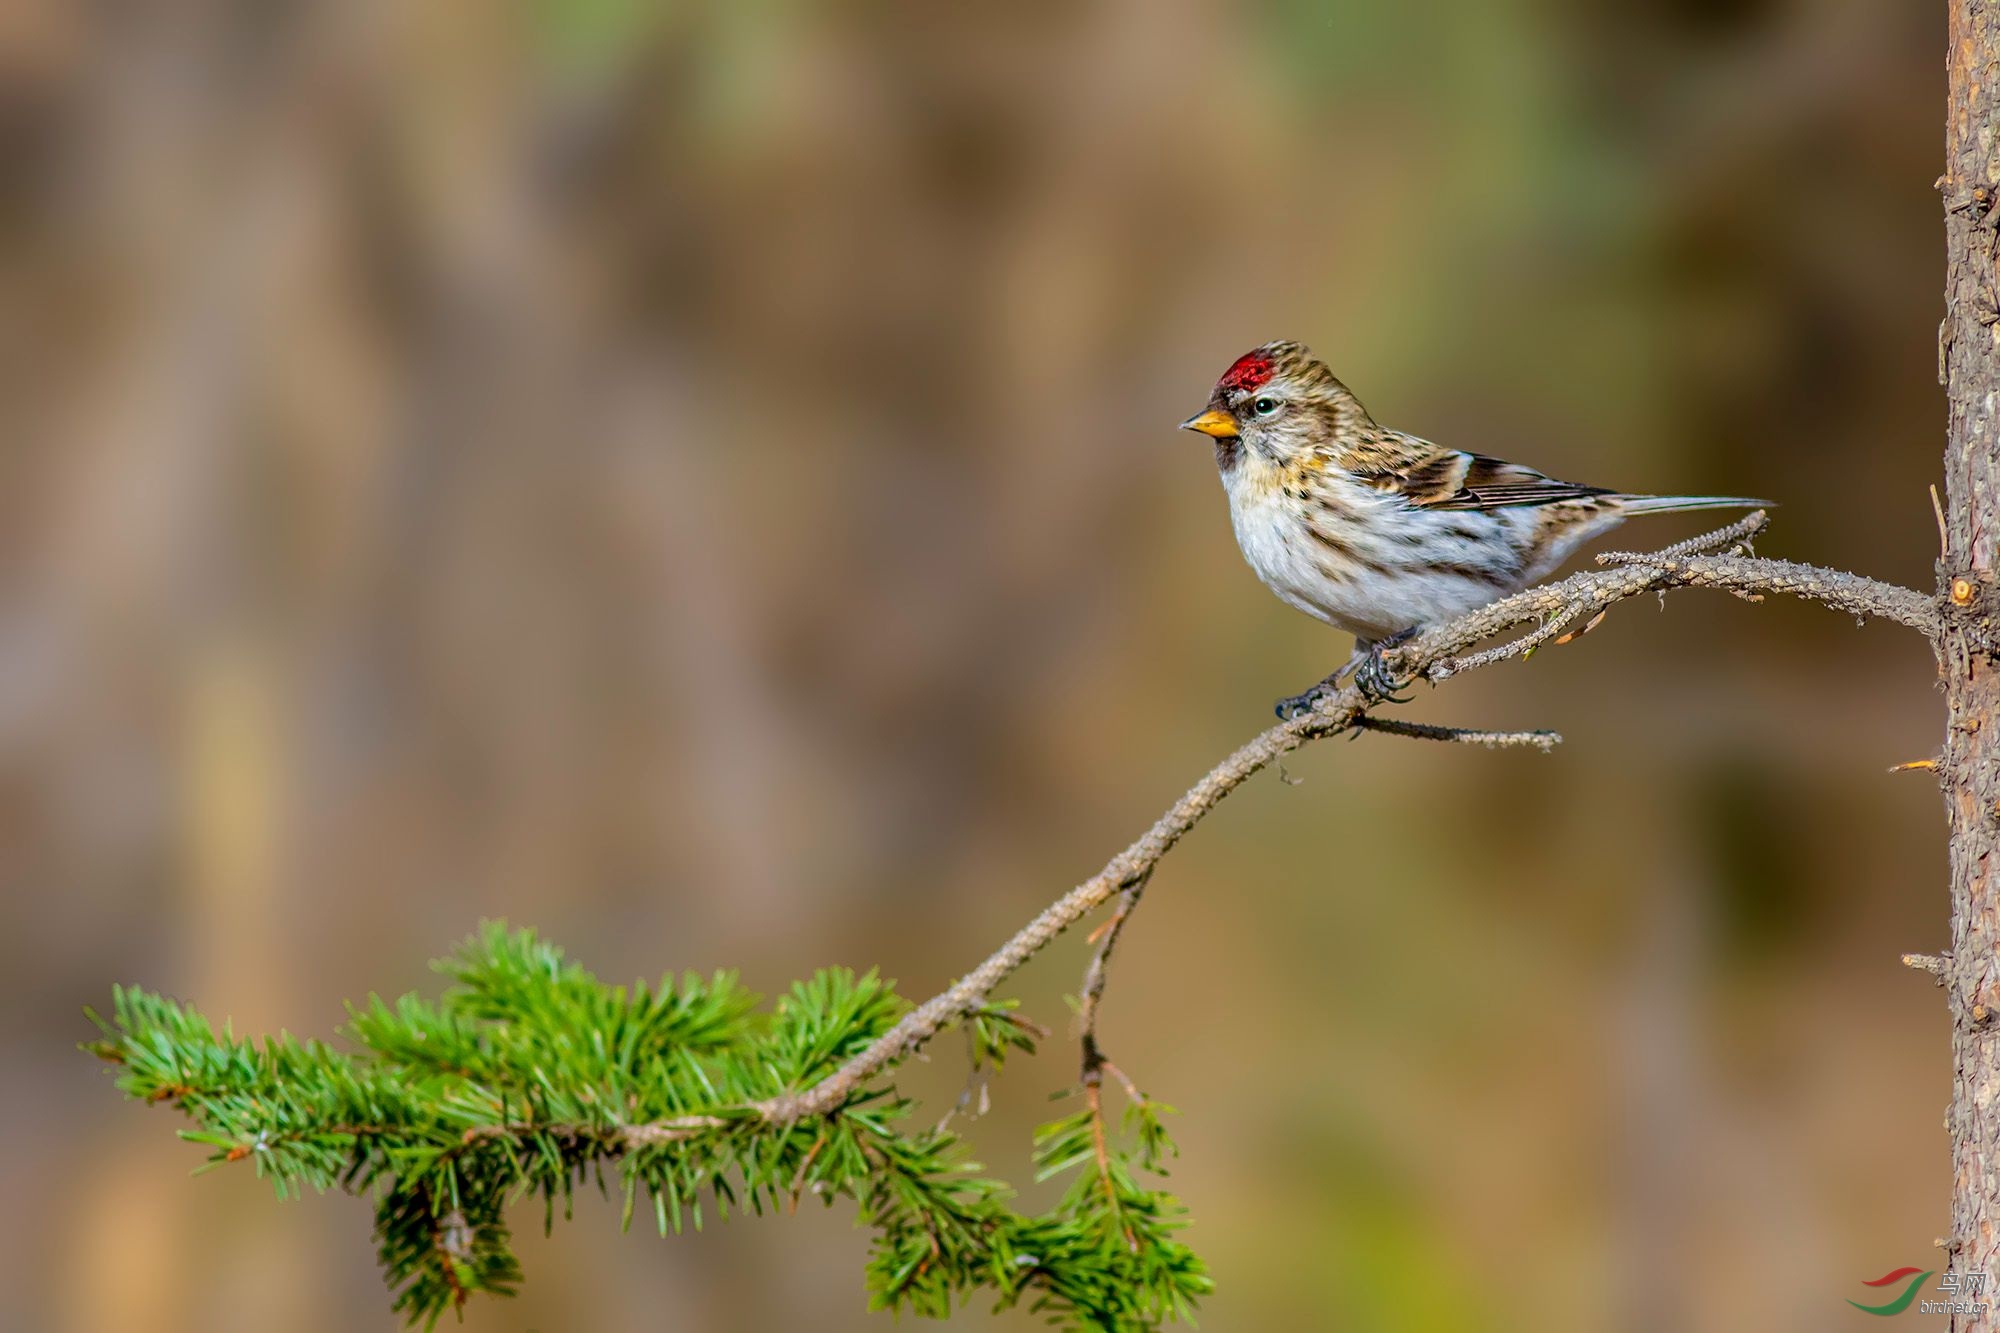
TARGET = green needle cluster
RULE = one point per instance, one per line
(530, 1077)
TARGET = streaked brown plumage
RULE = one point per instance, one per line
(1381, 533)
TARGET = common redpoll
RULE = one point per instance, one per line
(1379, 533)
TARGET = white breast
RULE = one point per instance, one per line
(1272, 532)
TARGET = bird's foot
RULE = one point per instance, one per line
(1367, 669)
(1374, 677)
(1371, 673)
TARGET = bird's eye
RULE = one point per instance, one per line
(1264, 407)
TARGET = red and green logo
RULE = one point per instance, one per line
(1915, 1279)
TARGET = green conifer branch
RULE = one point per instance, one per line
(530, 1077)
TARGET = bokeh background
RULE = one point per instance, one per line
(700, 479)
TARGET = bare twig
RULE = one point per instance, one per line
(616, 1137)
(1436, 654)
(1091, 1054)
(1093, 1096)
(799, 1180)
(1925, 962)
(1132, 1092)
(1557, 621)
(1732, 540)
(1544, 741)
(1094, 976)
(1585, 628)
(669, 1131)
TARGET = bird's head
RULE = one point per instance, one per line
(1278, 400)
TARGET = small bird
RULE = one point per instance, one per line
(1379, 533)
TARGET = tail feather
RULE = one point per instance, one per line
(1674, 504)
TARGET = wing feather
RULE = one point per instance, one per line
(1477, 482)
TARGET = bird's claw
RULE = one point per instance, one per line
(1298, 705)
(1375, 680)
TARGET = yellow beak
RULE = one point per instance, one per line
(1219, 424)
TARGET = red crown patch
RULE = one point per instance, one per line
(1251, 370)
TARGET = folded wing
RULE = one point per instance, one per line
(1451, 479)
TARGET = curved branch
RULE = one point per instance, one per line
(1434, 654)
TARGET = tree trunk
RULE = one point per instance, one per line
(1969, 364)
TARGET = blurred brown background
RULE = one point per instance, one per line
(700, 479)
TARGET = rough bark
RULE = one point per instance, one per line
(1969, 364)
